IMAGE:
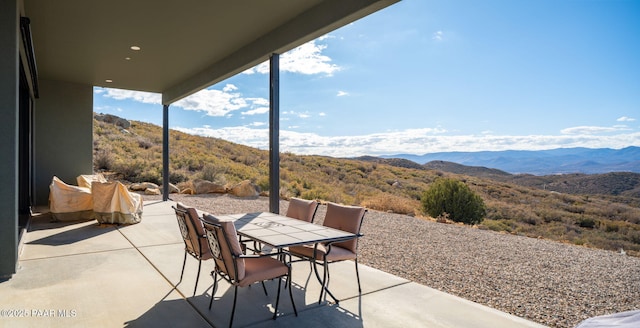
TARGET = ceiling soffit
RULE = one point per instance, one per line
(185, 45)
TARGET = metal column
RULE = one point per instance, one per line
(165, 152)
(274, 134)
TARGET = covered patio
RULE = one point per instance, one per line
(82, 274)
(53, 54)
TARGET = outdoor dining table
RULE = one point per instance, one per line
(278, 231)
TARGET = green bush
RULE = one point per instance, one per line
(454, 198)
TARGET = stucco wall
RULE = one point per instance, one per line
(63, 134)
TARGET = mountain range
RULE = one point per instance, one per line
(541, 162)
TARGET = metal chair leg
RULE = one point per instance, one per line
(291, 292)
(275, 312)
(358, 276)
(325, 283)
(264, 288)
(197, 277)
(215, 287)
(184, 262)
(233, 311)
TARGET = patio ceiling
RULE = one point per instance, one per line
(185, 45)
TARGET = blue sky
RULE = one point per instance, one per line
(431, 76)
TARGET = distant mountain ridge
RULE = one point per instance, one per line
(541, 162)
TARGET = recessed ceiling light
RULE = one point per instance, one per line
(108, 81)
(127, 58)
(136, 48)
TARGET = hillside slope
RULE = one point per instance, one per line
(625, 184)
(135, 154)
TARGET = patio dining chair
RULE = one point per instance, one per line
(302, 209)
(346, 218)
(193, 235)
(239, 269)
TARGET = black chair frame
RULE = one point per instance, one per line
(214, 244)
(182, 217)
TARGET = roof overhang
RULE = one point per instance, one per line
(185, 45)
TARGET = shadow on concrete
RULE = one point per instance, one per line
(253, 309)
(69, 236)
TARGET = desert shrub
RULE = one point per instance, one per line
(176, 177)
(586, 222)
(612, 226)
(151, 174)
(211, 173)
(263, 183)
(129, 169)
(144, 143)
(455, 198)
(314, 194)
(391, 203)
(103, 160)
(549, 215)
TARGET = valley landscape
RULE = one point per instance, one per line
(550, 256)
(590, 210)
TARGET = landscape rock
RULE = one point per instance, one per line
(187, 191)
(207, 187)
(118, 121)
(245, 188)
(152, 191)
(142, 186)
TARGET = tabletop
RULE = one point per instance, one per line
(282, 231)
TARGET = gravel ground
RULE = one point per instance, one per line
(544, 281)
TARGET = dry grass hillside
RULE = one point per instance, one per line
(601, 221)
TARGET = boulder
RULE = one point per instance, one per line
(173, 189)
(187, 191)
(245, 189)
(152, 191)
(142, 186)
(207, 187)
(115, 120)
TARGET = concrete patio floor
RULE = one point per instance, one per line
(80, 274)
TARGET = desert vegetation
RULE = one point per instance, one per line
(134, 154)
(452, 199)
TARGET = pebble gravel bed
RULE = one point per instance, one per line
(548, 282)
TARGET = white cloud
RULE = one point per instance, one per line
(259, 101)
(139, 96)
(214, 102)
(625, 119)
(297, 114)
(413, 141)
(342, 93)
(229, 88)
(438, 36)
(594, 129)
(305, 59)
(259, 110)
(211, 101)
